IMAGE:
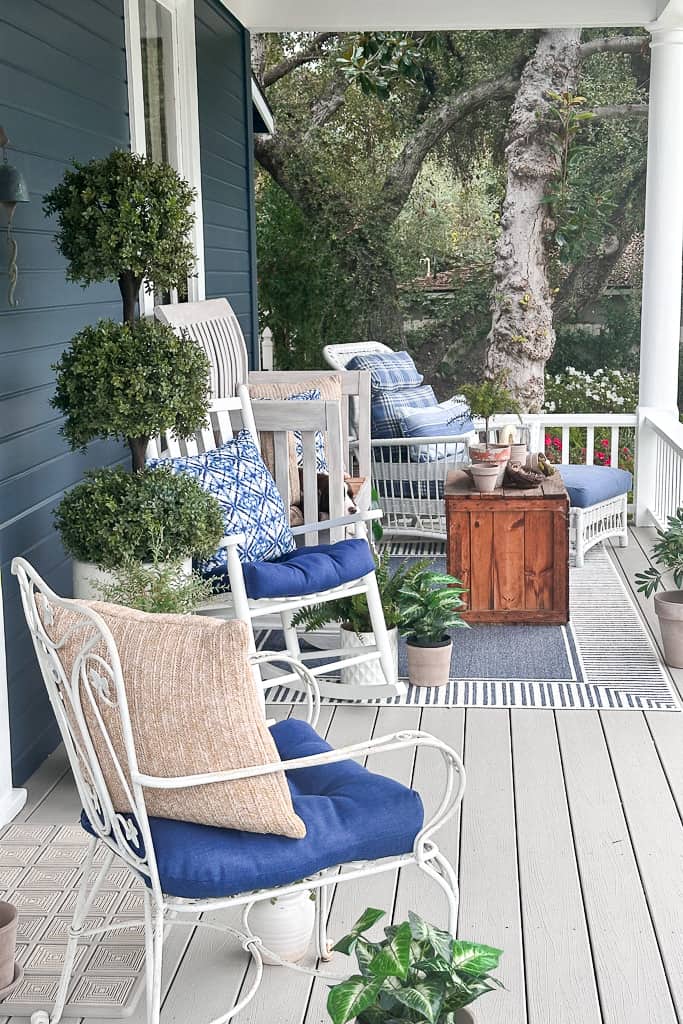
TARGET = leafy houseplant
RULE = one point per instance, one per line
(486, 400)
(124, 218)
(417, 973)
(668, 554)
(354, 617)
(430, 605)
(162, 587)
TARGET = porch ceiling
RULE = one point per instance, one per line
(378, 15)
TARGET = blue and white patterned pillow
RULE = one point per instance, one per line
(448, 419)
(387, 408)
(311, 395)
(250, 501)
(389, 371)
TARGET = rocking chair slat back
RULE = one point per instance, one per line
(213, 324)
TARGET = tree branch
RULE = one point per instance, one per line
(327, 105)
(617, 110)
(311, 53)
(436, 124)
(614, 44)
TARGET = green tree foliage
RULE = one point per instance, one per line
(124, 218)
(131, 382)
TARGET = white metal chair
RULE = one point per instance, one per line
(227, 416)
(130, 836)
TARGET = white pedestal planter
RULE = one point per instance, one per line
(284, 925)
(370, 673)
(86, 575)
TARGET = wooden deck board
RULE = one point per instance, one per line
(569, 857)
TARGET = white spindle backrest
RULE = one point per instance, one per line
(226, 417)
(213, 324)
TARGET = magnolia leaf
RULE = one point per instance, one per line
(350, 998)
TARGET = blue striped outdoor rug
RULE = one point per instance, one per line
(603, 659)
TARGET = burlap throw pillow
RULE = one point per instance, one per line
(193, 708)
(330, 388)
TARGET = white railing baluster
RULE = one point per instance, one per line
(614, 446)
(590, 445)
(565, 444)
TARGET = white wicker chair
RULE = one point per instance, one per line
(96, 676)
(409, 488)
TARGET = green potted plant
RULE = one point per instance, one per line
(126, 218)
(415, 973)
(486, 400)
(429, 606)
(353, 616)
(668, 554)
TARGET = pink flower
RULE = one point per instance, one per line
(605, 442)
(548, 440)
(557, 443)
(600, 456)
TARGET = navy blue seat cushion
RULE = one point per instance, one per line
(309, 570)
(350, 814)
(589, 485)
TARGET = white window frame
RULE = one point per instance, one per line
(187, 159)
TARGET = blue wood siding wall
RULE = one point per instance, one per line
(62, 95)
(225, 131)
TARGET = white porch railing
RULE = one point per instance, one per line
(659, 488)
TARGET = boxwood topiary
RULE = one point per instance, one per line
(131, 381)
(113, 516)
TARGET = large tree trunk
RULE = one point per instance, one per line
(522, 336)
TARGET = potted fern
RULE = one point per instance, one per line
(430, 605)
(667, 552)
(353, 616)
(415, 973)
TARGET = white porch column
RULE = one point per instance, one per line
(11, 800)
(661, 316)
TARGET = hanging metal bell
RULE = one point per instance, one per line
(13, 187)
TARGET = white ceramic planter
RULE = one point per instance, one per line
(370, 673)
(284, 925)
(87, 574)
(485, 476)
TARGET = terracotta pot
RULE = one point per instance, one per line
(669, 608)
(369, 673)
(430, 665)
(8, 946)
(489, 453)
(485, 476)
(285, 925)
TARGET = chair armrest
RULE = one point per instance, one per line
(312, 690)
(328, 524)
(232, 540)
(453, 789)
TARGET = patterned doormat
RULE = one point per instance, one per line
(604, 658)
(40, 868)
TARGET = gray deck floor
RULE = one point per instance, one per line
(569, 851)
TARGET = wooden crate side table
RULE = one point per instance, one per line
(510, 549)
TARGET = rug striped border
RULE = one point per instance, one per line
(619, 667)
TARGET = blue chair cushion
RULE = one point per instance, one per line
(589, 485)
(389, 371)
(386, 408)
(350, 814)
(309, 570)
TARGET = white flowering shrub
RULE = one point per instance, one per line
(576, 391)
(604, 391)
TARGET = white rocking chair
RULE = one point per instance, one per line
(130, 837)
(227, 416)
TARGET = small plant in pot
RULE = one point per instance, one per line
(486, 400)
(430, 605)
(415, 973)
(353, 615)
(668, 554)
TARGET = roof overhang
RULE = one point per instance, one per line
(264, 123)
(406, 15)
